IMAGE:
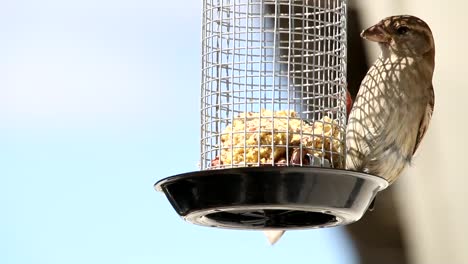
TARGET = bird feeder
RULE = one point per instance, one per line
(273, 120)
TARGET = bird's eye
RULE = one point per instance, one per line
(402, 30)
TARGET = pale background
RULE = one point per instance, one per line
(99, 99)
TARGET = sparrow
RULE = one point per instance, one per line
(394, 105)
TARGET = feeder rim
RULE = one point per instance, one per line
(158, 185)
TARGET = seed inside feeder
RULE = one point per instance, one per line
(274, 138)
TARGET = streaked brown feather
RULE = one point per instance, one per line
(425, 119)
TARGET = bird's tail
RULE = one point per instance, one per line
(273, 235)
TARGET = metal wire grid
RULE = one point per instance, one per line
(275, 55)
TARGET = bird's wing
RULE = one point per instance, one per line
(425, 119)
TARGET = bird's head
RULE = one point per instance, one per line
(402, 35)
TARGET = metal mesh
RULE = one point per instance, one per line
(273, 83)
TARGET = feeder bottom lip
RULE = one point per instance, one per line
(270, 217)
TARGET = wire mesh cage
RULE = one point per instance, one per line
(273, 120)
(273, 83)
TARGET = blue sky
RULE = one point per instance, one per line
(99, 100)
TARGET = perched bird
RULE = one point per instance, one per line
(394, 105)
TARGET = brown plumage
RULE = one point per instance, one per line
(395, 101)
(394, 105)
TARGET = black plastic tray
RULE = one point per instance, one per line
(271, 197)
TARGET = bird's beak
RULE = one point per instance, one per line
(376, 33)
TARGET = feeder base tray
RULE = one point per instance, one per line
(271, 197)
